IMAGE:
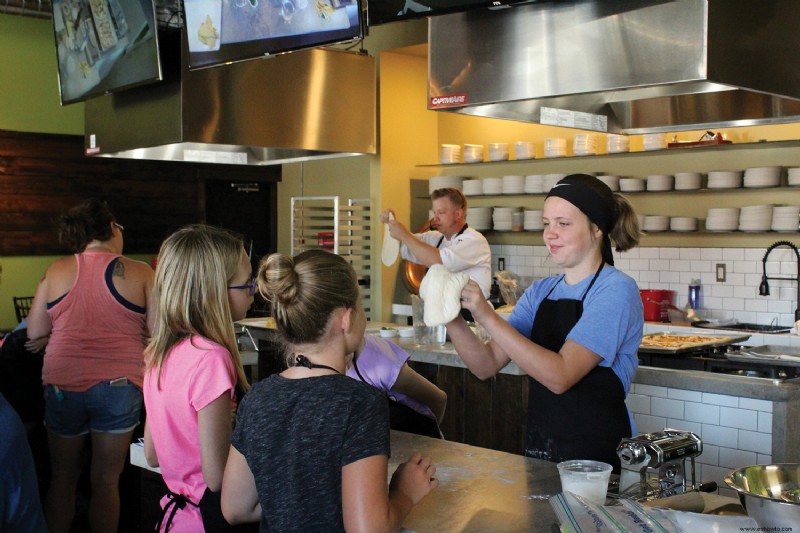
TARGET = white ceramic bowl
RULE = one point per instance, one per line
(405, 332)
(388, 332)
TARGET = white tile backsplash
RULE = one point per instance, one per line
(672, 268)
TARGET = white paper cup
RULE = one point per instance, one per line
(585, 478)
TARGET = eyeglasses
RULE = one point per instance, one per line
(250, 286)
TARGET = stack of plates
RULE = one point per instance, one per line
(755, 218)
(450, 153)
(655, 141)
(555, 147)
(523, 150)
(498, 151)
(786, 218)
(473, 153)
(683, 224)
(725, 179)
(762, 177)
(479, 218)
(550, 180)
(688, 181)
(513, 184)
(660, 182)
(445, 182)
(472, 187)
(533, 220)
(611, 181)
(631, 184)
(534, 184)
(656, 223)
(617, 143)
(793, 176)
(492, 185)
(584, 144)
(502, 219)
(722, 219)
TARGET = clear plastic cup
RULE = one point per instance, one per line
(585, 478)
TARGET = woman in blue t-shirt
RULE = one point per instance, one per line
(575, 335)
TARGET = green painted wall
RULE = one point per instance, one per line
(29, 97)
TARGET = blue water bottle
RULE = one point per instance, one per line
(694, 294)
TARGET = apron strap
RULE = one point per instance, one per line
(175, 502)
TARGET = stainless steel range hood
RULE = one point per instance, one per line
(624, 66)
(312, 104)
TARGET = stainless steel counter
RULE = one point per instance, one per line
(480, 490)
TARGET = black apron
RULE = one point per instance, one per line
(589, 420)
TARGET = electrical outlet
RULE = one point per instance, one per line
(501, 263)
(722, 270)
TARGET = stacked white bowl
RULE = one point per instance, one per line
(498, 151)
(473, 153)
(480, 218)
(756, 177)
(513, 184)
(472, 187)
(683, 224)
(533, 220)
(502, 219)
(617, 143)
(655, 223)
(450, 153)
(688, 181)
(722, 219)
(550, 180)
(555, 147)
(786, 218)
(492, 185)
(660, 182)
(611, 181)
(584, 144)
(534, 184)
(523, 150)
(725, 179)
(755, 218)
(631, 184)
(445, 182)
(655, 141)
(793, 176)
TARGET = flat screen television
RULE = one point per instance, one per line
(383, 11)
(104, 46)
(226, 31)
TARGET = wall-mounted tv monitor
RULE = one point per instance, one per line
(383, 11)
(226, 31)
(104, 46)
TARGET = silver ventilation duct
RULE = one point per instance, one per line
(625, 66)
(311, 104)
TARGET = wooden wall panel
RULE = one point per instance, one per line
(41, 175)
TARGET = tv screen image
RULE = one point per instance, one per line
(225, 31)
(103, 46)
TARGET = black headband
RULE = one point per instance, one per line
(595, 200)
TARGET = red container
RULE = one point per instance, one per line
(656, 304)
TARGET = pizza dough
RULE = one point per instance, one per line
(440, 291)
(391, 246)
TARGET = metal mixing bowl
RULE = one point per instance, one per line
(769, 493)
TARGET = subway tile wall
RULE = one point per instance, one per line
(735, 431)
(674, 268)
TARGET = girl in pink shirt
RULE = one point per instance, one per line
(193, 371)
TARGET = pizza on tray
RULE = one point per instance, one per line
(678, 341)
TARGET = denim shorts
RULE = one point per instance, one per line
(104, 408)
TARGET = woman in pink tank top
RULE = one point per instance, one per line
(94, 307)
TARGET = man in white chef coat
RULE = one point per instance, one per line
(450, 241)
